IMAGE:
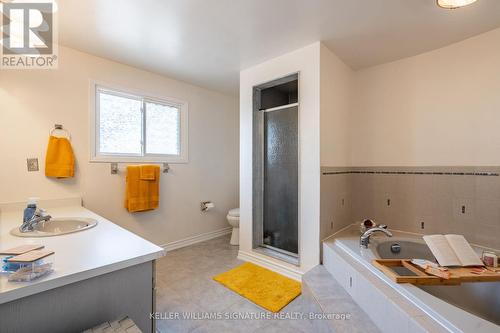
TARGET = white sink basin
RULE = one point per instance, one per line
(57, 226)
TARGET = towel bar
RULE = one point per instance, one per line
(114, 168)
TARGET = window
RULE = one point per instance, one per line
(130, 127)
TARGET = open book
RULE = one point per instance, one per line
(452, 250)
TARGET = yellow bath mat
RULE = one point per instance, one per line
(265, 288)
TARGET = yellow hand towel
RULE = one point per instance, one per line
(59, 160)
(142, 194)
(148, 172)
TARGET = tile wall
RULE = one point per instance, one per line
(428, 200)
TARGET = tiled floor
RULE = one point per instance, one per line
(328, 296)
(184, 285)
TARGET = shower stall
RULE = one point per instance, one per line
(276, 168)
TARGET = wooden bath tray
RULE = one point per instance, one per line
(417, 275)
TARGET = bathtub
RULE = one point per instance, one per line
(480, 299)
(469, 307)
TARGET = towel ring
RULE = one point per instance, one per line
(58, 127)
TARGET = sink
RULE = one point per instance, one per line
(58, 226)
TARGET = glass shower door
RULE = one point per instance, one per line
(280, 171)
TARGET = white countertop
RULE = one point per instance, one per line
(78, 256)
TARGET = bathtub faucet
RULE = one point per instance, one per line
(364, 240)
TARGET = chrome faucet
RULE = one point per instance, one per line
(364, 240)
(38, 216)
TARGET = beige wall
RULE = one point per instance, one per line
(31, 102)
(438, 108)
(335, 103)
(336, 81)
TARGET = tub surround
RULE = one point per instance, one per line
(335, 200)
(392, 306)
(446, 199)
(96, 253)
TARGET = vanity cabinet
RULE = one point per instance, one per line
(78, 306)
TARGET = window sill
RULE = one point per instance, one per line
(122, 159)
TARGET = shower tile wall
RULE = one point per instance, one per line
(463, 202)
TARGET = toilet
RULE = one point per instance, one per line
(233, 217)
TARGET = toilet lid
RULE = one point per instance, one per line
(234, 212)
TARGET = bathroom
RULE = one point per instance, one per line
(269, 133)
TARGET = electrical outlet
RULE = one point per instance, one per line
(422, 225)
(388, 202)
(463, 209)
(32, 164)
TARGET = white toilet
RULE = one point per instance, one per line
(233, 217)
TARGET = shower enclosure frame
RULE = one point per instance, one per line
(258, 170)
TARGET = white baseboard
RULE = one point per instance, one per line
(272, 264)
(196, 239)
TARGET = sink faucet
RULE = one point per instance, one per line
(364, 240)
(38, 216)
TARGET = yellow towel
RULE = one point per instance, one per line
(142, 194)
(148, 172)
(59, 160)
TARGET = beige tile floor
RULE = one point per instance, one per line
(184, 284)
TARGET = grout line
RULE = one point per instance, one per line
(338, 231)
(487, 174)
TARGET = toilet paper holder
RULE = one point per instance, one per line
(206, 205)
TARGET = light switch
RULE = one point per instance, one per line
(32, 164)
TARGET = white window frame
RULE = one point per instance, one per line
(96, 156)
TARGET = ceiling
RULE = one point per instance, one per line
(207, 42)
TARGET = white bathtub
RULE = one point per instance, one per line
(470, 307)
(481, 299)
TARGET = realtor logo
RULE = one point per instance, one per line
(28, 36)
